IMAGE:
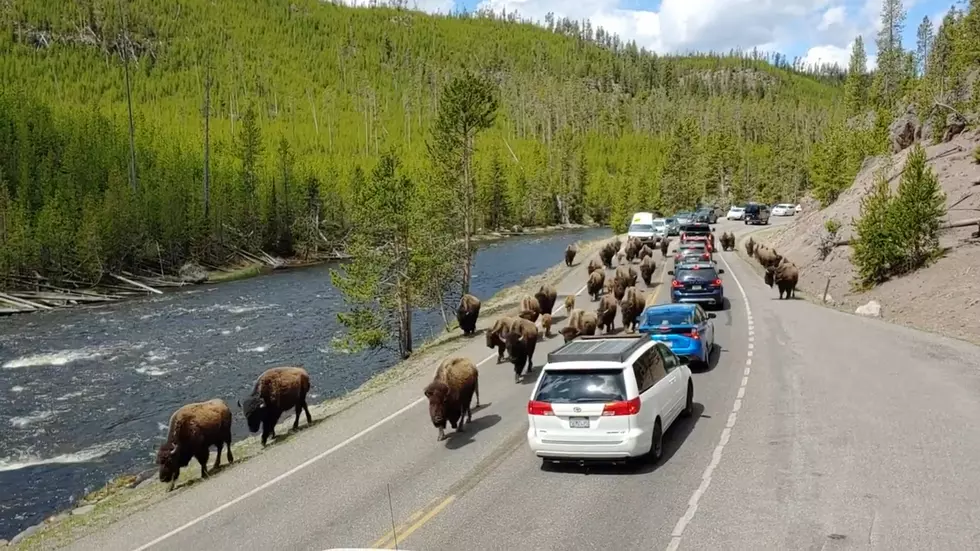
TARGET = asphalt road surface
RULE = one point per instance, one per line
(813, 429)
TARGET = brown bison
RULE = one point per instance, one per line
(546, 324)
(618, 288)
(645, 252)
(570, 253)
(521, 342)
(633, 246)
(631, 307)
(627, 274)
(596, 282)
(276, 391)
(569, 303)
(727, 241)
(496, 334)
(194, 428)
(767, 257)
(547, 295)
(594, 265)
(664, 247)
(579, 323)
(467, 312)
(530, 309)
(620, 258)
(606, 314)
(450, 394)
(750, 246)
(785, 276)
(647, 267)
(607, 253)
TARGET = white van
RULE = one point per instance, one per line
(644, 227)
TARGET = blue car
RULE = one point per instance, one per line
(686, 328)
(699, 283)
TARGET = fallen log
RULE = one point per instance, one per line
(946, 226)
(146, 288)
(24, 303)
(45, 296)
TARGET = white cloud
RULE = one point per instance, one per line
(829, 53)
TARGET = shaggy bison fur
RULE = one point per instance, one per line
(633, 246)
(521, 342)
(547, 295)
(631, 307)
(579, 323)
(727, 241)
(596, 282)
(450, 394)
(467, 312)
(784, 276)
(546, 324)
(606, 314)
(276, 391)
(767, 257)
(664, 247)
(530, 309)
(497, 333)
(570, 253)
(194, 428)
(569, 303)
(626, 274)
(595, 265)
(647, 267)
(750, 246)
(607, 253)
(645, 252)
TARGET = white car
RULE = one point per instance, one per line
(608, 398)
(735, 213)
(784, 209)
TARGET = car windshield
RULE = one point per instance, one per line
(752, 208)
(786, 206)
(696, 228)
(695, 273)
(671, 221)
(692, 246)
(576, 386)
(641, 227)
(659, 223)
(670, 317)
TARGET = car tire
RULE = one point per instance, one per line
(656, 452)
(689, 404)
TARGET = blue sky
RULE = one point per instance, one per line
(818, 30)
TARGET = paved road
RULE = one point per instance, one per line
(845, 431)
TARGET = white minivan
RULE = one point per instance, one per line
(643, 226)
(608, 398)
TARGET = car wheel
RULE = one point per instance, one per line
(689, 404)
(657, 443)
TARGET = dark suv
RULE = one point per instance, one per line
(756, 213)
(706, 215)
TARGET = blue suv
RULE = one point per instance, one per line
(685, 328)
(700, 283)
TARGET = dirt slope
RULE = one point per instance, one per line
(944, 297)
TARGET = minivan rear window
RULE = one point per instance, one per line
(641, 228)
(578, 386)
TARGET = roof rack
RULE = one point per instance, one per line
(599, 348)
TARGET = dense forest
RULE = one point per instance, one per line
(137, 135)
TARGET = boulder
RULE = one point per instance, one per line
(193, 273)
(872, 309)
(955, 124)
(901, 133)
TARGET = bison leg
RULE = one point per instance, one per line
(268, 430)
(500, 353)
(299, 410)
(228, 448)
(202, 458)
(442, 435)
(217, 458)
(306, 410)
(476, 390)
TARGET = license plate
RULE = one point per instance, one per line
(578, 422)
(696, 287)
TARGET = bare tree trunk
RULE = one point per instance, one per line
(316, 124)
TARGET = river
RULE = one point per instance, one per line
(86, 394)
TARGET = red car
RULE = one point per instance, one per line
(698, 232)
(693, 249)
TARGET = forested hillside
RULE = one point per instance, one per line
(252, 122)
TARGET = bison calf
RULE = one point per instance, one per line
(569, 303)
(546, 324)
(194, 428)
(276, 391)
(450, 394)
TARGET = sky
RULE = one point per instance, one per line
(817, 30)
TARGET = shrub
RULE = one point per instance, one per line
(876, 248)
(828, 240)
(976, 155)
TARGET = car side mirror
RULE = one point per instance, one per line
(712, 315)
(670, 272)
(721, 271)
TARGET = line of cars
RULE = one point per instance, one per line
(759, 213)
(611, 398)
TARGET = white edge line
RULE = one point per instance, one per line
(678, 533)
(304, 464)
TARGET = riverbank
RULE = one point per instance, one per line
(130, 493)
(29, 295)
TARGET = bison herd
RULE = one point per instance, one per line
(779, 271)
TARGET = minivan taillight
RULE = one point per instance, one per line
(629, 407)
(539, 408)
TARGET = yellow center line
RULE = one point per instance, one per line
(401, 534)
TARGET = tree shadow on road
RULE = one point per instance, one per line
(457, 440)
(673, 440)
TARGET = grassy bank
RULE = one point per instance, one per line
(130, 493)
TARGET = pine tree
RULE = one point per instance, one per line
(856, 85)
(891, 61)
(918, 210)
(249, 155)
(923, 47)
(876, 249)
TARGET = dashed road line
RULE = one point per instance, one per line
(692, 505)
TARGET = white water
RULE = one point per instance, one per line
(65, 357)
(33, 418)
(87, 455)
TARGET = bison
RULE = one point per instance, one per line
(450, 394)
(631, 307)
(579, 323)
(546, 295)
(727, 241)
(530, 309)
(647, 267)
(596, 283)
(496, 334)
(633, 246)
(767, 257)
(570, 253)
(595, 265)
(546, 324)
(606, 314)
(785, 276)
(276, 391)
(467, 312)
(750, 246)
(626, 274)
(569, 303)
(664, 247)
(607, 253)
(521, 341)
(194, 428)
(645, 252)
(621, 258)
